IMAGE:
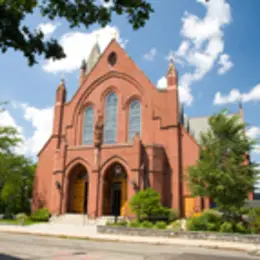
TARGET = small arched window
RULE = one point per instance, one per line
(110, 128)
(88, 125)
(134, 126)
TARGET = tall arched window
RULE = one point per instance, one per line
(110, 129)
(88, 125)
(134, 119)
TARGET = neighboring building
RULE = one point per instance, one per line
(118, 134)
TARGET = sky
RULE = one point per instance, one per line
(215, 46)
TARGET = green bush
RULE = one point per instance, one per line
(160, 225)
(134, 224)
(121, 223)
(176, 225)
(145, 202)
(146, 224)
(196, 224)
(241, 228)
(254, 220)
(226, 227)
(41, 215)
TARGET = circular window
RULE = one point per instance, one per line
(112, 58)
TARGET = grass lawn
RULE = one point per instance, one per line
(15, 222)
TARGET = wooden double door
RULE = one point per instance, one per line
(80, 196)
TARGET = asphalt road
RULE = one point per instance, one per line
(14, 247)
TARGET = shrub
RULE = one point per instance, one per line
(176, 225)
(241, 228)
(21, 217)
(146, 224)
(134, 224)
(121, 223)
(254, 220)
(41, 215)
(160, 225)
(226, 227)
(145, 202)
(196, 224)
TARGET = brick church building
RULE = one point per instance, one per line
(118, 134)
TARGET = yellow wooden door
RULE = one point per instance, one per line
(123, 197)
(78, 199)
(189, 206)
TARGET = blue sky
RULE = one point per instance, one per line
(215, 48)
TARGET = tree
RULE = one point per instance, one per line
(16, 174)
(14, 34)
(224, 172)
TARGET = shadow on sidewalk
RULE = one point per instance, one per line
(8, 257)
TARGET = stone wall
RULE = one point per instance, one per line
(178, 234)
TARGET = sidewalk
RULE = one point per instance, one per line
(90, 232)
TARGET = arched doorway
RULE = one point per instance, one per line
(78, 193)
(115, 190)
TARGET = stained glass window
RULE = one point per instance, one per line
(88, 126)
(134, 120)
(110, 129)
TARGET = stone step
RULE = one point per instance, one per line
(80, 219)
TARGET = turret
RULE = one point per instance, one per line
(58, 110)
(83, 69)
(93, 57)
(172, 77)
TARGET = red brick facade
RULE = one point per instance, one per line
(158, 157)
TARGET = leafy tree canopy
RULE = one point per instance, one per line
(16, 35)
(16, 173)
(224, 172)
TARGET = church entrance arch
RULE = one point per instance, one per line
(115, 190)
(78, 192)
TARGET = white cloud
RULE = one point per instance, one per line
(203, 42)
(225, 63)
(150, 55)
(77, 45)
(253, 132)
(107, 4)
(41, 121)
(47, 28)
(235, 95)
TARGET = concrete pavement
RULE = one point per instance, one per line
(90, 232)
(14, 247)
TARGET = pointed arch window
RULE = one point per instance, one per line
(88, 125)
(110, 128)
(134, 126)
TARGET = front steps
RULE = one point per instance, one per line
(81, 220)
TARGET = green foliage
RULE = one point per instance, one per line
(196, 224)
(16, 34)
(41, 215)
(134, 224)
(121, 223)
(16, 174)
(209, 220)
(176, 225)
(221, 172)
(145, 203)
(241, 228)
(160, 225)
(226, 227)
(254, 223)
(146, 224)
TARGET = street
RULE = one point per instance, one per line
(14, 247)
